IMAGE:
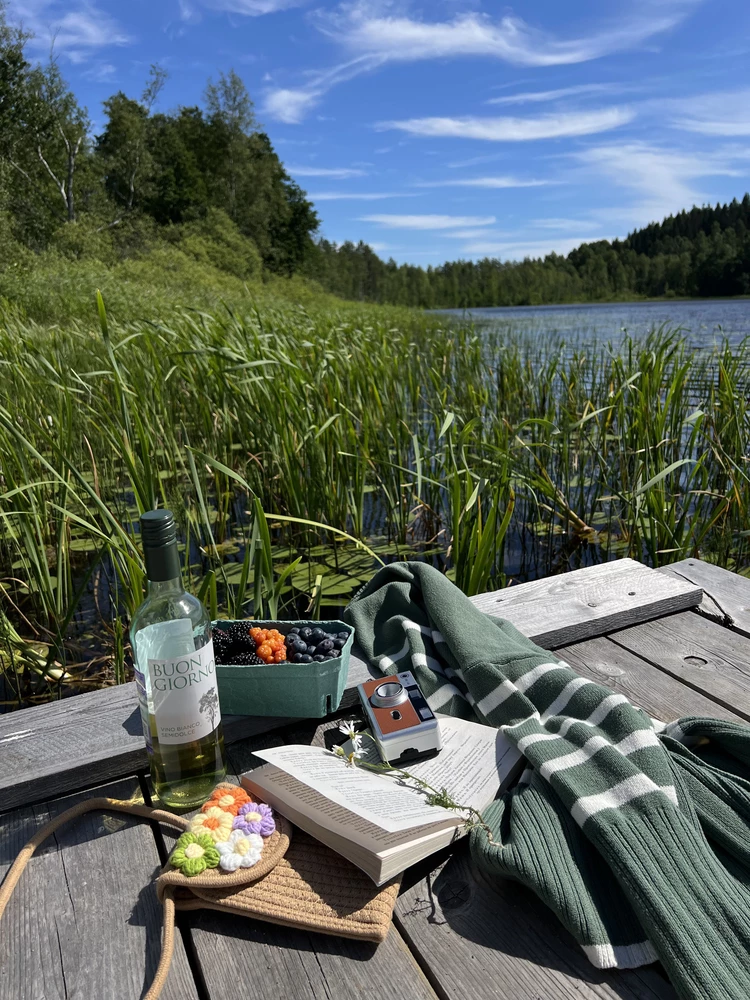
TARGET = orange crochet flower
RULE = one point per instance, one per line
(215, 822)
(227, 797)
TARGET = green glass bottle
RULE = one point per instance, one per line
(175, 674)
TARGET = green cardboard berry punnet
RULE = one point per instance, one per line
(300, 690)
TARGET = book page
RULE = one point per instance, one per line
(470, 766)
(273, 783)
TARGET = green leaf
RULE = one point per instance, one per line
(663, 475)
(449, 418)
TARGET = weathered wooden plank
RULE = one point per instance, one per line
(496, 941)
(701, 654)
(278, 963)
(82, 741)
(661, 695)
(285, 964)
(94, 737)
(84, 920)
(726, 596)
(560, 610)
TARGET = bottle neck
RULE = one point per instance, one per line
(163, 588)
(162, 564)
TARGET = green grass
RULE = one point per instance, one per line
(301, 441)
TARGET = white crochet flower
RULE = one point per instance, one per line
(241, 850)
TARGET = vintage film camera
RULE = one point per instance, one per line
(403, 724)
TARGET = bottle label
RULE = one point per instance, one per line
(140, 686)
(185, 696)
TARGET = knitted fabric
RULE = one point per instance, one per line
(638, 841)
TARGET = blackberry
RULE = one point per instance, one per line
(239, 632)
(247, 659)
(220, 639)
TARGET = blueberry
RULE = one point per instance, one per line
(298, 646)
(339, 643)
(293, 631)
(342, 635)
(312, 649)
(305, 632)
(298, 657)
(330, 656)
(305, 658)
(318, 658)
(318, 634)
(325, 646)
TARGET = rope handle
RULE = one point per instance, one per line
(110, 805)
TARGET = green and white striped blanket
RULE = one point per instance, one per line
(638, 839)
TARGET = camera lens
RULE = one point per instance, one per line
(388, 694)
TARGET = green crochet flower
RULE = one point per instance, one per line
(194, 852)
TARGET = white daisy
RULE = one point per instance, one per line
(350, 729)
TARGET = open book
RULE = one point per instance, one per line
(377, 821)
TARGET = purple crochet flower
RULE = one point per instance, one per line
(255, 817)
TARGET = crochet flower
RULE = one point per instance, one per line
(214, 821)
(228, 799)
(194, 853)
(255, 817)
(240, 851)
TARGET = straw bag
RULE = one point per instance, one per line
(298, 882)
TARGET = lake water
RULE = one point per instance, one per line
(703, 321)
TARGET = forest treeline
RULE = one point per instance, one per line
(205, 179)
(701, 252)
(204, 183)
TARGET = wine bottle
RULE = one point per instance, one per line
(173, 654)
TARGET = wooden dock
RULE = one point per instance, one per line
(85, 923)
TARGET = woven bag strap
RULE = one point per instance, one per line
(110, 805)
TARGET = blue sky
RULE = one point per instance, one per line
(451, 128)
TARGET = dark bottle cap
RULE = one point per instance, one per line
(159, 538)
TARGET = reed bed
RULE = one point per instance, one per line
(301, 447)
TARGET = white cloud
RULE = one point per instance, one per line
(516, 129)
(251, 8)
(340, 173)
(474, 161)
(487, 182)
(726, 114)
(542, 96)
(73, 33)
(473, 234)
(428, 221)
(519, 249)
(376, 32)
(101, 73)
(663, 179)
(566, 225)
(370, 28)
(354, 196)
(290, 106)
